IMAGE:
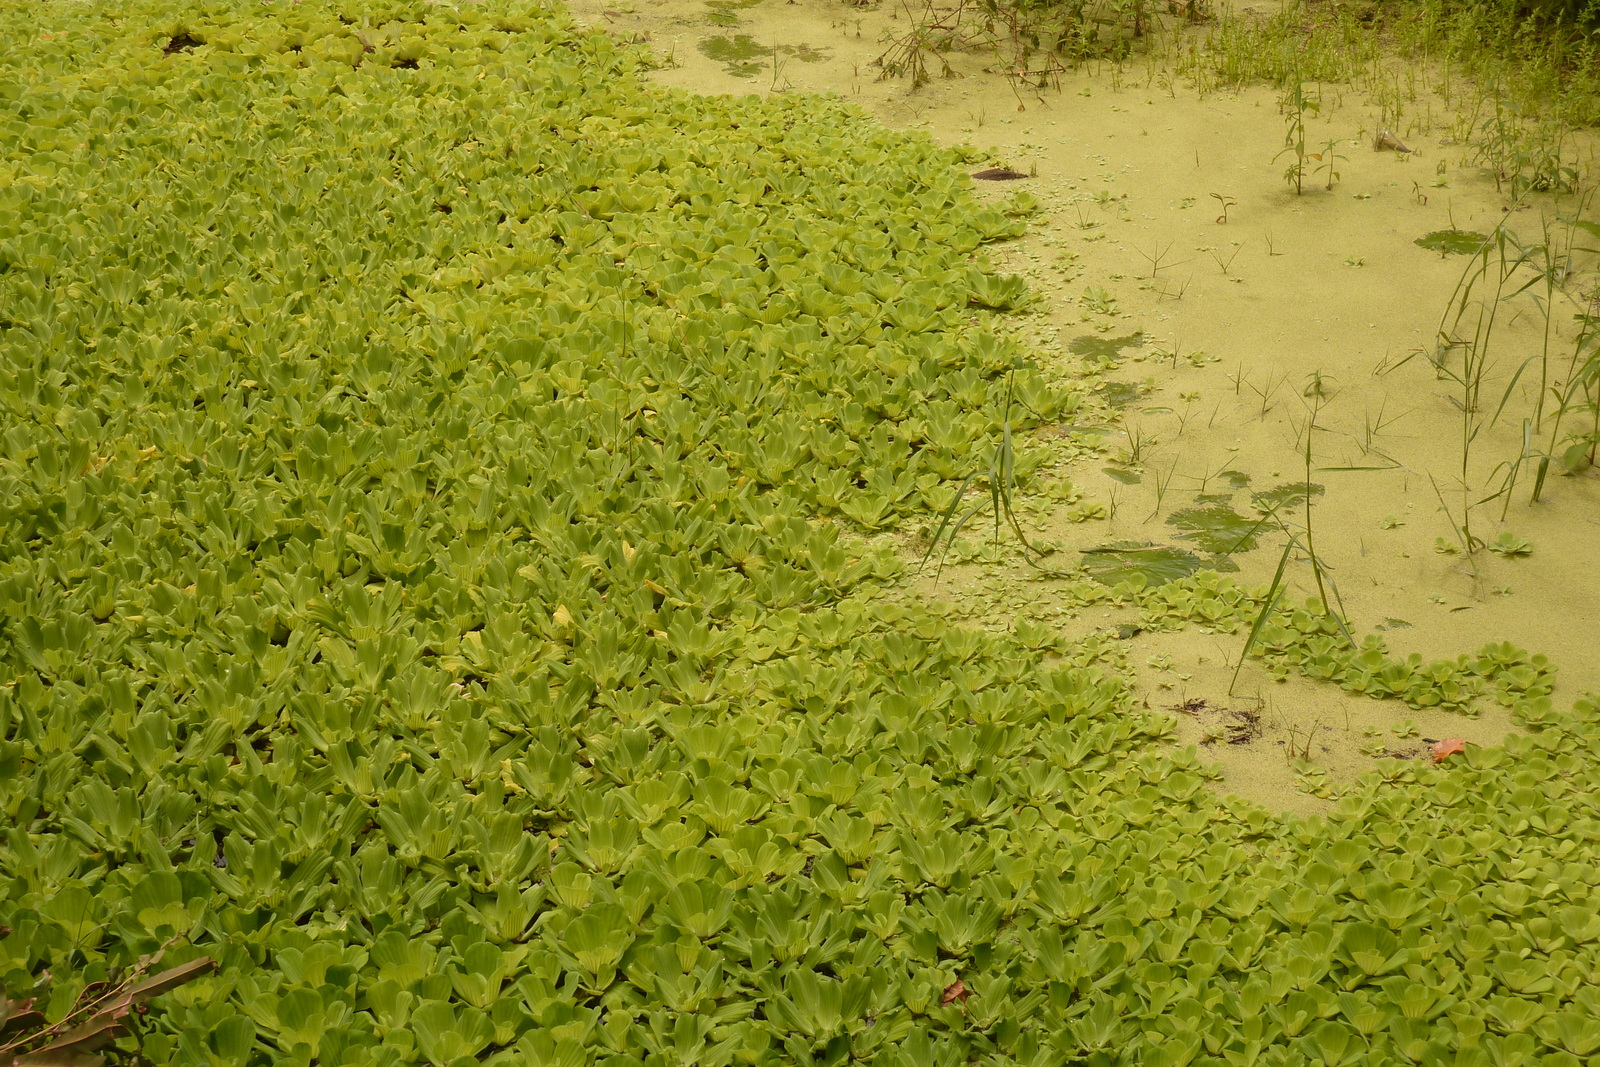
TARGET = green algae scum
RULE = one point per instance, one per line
(450, 498)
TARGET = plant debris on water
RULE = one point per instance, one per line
(438, 595)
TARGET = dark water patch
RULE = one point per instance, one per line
(1119, 394)
(1123, 475)
(723, 12)
(1122, 561)
(739, 54)
(1284, 496)
(742, 57)
(1452, 242)
(1103, 349)
(1217, 528)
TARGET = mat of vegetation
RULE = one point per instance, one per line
(424, 457)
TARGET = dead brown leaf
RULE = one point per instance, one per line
(956, 990)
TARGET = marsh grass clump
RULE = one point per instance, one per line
(1559, 428)
(1520, 84)
(1522, 150)
(1543, 56)
(998, 481)
(1294, 43)
(1036, 40)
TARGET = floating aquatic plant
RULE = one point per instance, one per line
(429, 594)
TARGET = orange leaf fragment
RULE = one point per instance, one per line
(956, 990)
(1448, 747)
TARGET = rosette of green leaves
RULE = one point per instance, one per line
(425, 463)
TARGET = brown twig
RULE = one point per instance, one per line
(101, 1017)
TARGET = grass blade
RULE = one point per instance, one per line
(1274, 594)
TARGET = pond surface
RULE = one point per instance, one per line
(1273, 344)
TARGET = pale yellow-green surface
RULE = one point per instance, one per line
(1238, 319)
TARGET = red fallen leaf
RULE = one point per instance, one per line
(956, 990)
(1448, 747)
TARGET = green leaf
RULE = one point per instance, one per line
(446, 1033)
(1372, 949)
(999, 292)
(232, 1038)
(597, 939)
(1576, 1032)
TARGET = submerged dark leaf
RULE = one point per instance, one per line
(1123, 475)
(1284, 497)
(1453, 242)
(1156, 564)
(1217, 528)
(1099, 347)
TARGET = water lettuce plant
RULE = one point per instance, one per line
(432, 466)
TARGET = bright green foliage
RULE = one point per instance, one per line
(1309, 640)
(420, 595)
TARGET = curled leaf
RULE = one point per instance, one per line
(956, 990)
(1385, 139)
